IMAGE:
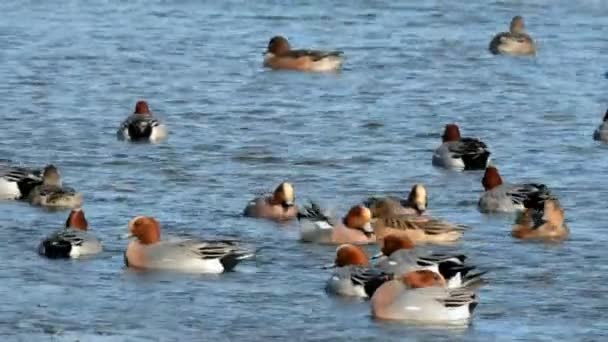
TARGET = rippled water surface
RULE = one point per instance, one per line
(72, 71)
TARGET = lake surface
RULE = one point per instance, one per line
(71, 72)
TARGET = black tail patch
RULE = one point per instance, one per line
(55, 249)
(140, 130)
(230, 260)
(476, 161)
(373, 284)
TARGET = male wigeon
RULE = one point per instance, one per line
(514, 42)
(601, 133)
(542, 222)
(355, 228)
(415, 204)
(279, 55)
(52, 194)
(280, 205)
(419, 229)
(142, 126)
(420, 296)
(398, 257)
(457, 153)
(72, 242)
(17, 182)
(353, 277)
(507, 198)
(147, 251)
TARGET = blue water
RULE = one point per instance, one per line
(72, 71)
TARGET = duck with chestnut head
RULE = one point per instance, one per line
(74, 241)
(317, 227)
(458, 153)
(280, 55)
(142, 126)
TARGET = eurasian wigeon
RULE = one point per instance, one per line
(398, 257)
(544, 222)
(279, 55)
(457, 153)
(147, 251)
(353, 277)
(420, 296)
(72, 242)
(355, 228)
(419, 229)
(415, 204)
(280, 205)
(52, 194)
(17, 182)
(514, 42)
(142, 126)
(601, 133)
(507, 198)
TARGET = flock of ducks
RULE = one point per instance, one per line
(400, 283)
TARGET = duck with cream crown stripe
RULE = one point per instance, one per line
(415, 204)
(72, 242)
(515, 42)
(508, 198)
(142, 126)
(279, 206)
(355, 228)
(279, 55)
(459, 153)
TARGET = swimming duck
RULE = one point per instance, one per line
(279, 206)
(355, 228)
(279, 55)
(601, 133)
(147, 251)
(542, 222)
(72, 242)
(415, 204)
(353, 277)
(398, 257)
(17, 182)
(459, 153)
(419, 229)
(421, 296)
(142, 126)
(52, 194)
(514, 42)
(508, 198)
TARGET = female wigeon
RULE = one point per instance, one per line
(280, 205)
(52, 194)
(142, 126)
(419, 229)
(457, 153)
(601, 133)
(353, 277)
(544, 222)
(398, 257)
(514, 42)
(507, 198)
(415, 204)
(354, 228)
(421, 296)
(72, 242)
(279, 55)
(147, 251)
(17, 182)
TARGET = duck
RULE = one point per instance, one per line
(515, 42)
(16, 183)
(457, 153)
(279, 55)
(147, 251)
(397, 256)
(142, 126)
(601, 133)
(508, 198)
(543, 221)
(72, 242)
(353, 276)
(419, 229)
(421, 296)
(387, 206)
(279, 206)
(52, 194)
(355, 228)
